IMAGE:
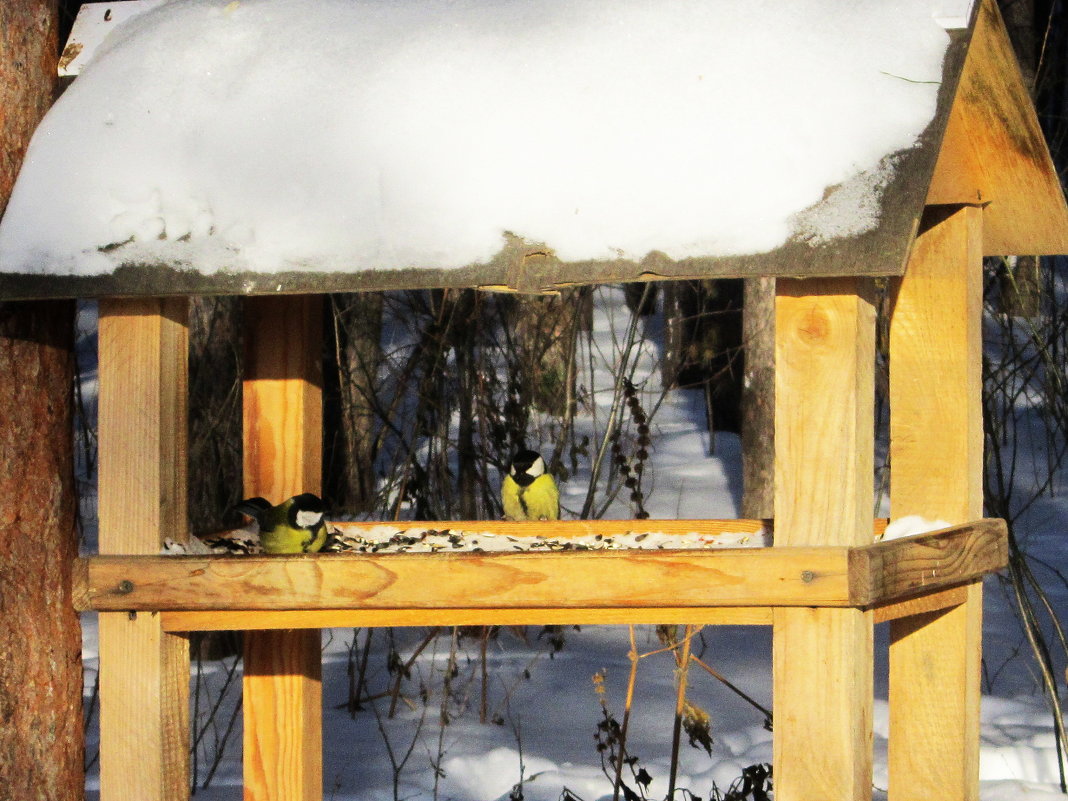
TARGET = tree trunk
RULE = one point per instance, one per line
(357, 323)
(214, 411)
(545, 331)
(703, 339)
(41, 741)
(28, 56)
(41, 745)
(464, 347)
(758, 399)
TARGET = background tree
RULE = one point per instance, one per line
(351, 377)
(703, 345)
(758, 399)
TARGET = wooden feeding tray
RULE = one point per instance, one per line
(711, 584)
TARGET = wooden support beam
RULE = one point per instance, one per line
(824, 450)
(361, 618)
(283, 457)
(859, 576)
(582, 579)
(537, 616)
(936, 452)
(890, 571)
(144, 671)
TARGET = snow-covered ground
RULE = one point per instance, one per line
(543, 709)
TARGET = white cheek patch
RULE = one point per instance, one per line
(537, 468)
(309, 519)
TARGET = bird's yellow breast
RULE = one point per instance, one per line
(539, 500)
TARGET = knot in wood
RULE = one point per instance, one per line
(814, 327)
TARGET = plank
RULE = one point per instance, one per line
(993, 151)
(282, 424)
(577, 579)
(859, 576)
(917, 605)
(896, 569)
(144, 671)
(535, 616)
(822, 658)
(936, 448)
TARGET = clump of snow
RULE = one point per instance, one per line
(848, 210)
(356, 134)
(912, 524)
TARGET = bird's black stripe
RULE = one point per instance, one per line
(523, 502)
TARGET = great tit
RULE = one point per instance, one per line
(293, 526)
(528, 492)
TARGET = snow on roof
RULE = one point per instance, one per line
(346, 135)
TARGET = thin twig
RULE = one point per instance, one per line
(632, 655)
(407, 666)
(720, 677)
(682, 670)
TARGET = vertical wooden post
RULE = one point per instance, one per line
(144, 671)
(824, 445)
(936, 462)
(283, 457)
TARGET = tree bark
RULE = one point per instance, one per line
(41, 745)
(28, 56)
(41, 741)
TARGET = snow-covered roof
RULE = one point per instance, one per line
(279, 145)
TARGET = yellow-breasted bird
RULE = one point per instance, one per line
(528, 492)
(293, 526)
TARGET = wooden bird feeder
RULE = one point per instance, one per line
(980, 183)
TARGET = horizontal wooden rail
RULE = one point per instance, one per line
(245, 620)
(569, 579)
(204, 592)
(896, 569)
(240, 619)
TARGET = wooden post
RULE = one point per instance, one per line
(144, 671)
(283, 457)
(824, 444)
(936, 457)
